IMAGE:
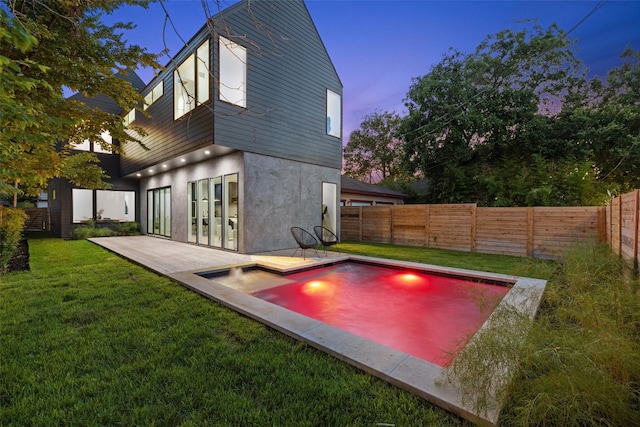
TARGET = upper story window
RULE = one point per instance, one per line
(106, 137)
(233, 73)
(156, 92)
(333, 114)
(97, 148)
(130, 117)
(191, 82)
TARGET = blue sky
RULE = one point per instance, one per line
(378, 46)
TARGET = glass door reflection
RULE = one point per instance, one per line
(230, 212)
(203, 211)
(216, 224)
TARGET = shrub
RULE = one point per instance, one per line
(128, 229)
(118, 229)
(577, 363)
(11, 227)
(581, 366)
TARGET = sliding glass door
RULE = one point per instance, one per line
(216, 220)
(159, 211)
(230, 211)
(213, 211)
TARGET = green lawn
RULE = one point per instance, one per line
(87, 338)
(526, 267)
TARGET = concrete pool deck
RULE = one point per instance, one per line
(182, 262)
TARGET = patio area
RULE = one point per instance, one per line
(182, 262)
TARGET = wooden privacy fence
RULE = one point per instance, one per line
(623, 225)
(37, 218)
(541, 232)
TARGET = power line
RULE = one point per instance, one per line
(450, 117)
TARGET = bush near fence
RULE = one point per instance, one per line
(540, 232)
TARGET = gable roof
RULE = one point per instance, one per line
(350, 185)
(106, 103)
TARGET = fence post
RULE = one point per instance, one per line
(391, 213)
(635, 224)
(619, 250)
(360, 224)
(474, 208)
(427, 227)
(530, 230)
(602, 224)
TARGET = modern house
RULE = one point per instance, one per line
(244, 138)
(358, 193)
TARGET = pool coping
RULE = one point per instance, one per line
(405, 371)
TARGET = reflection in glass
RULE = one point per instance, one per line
(203, 203)
(230, 212)
(216, 229)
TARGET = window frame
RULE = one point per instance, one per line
(231, 57)
(334, 112)
(195, 72)
(153, 95)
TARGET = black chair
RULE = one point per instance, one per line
(326, 237)
(304, 239)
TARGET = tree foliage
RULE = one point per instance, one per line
(517, 123)
(45, 48)
(373, 152)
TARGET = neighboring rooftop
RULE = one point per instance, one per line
(350, 185)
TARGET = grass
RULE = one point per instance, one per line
(504, 264)
(87, 338)
(577, 363)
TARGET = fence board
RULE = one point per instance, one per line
(502, 231)
(350, 222)
(542, 232)
(629, 225)
(376, 224)
(615, 225)
(409, 225)
(450, 226)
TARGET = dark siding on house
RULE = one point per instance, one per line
(288, 73)
(167, 138)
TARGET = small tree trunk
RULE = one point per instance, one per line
(15, 193)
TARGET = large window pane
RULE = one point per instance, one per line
(82, 205)
(203, 203)
(159, 211)
(192, 197)
(333, 114)
(216, 221)
(230, 217)
(115, 205)
(150, 211)
(82, 146)
(203, 72)
(330, 206)
(233, 73)
(166, 213)
(184, 87)
(106, 137)
(154, 95)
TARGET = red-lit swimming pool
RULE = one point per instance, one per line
(425, 315)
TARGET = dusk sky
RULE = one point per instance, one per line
(378, 46)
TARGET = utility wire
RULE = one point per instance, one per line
(450, 117)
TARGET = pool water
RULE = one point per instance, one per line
(427, 316)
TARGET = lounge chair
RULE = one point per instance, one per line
(304, 239)
(326, 237)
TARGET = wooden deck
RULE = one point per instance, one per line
(168, 256)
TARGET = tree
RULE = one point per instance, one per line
(373, 152)
(478, 118)
(611, 125)
(46, 47)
